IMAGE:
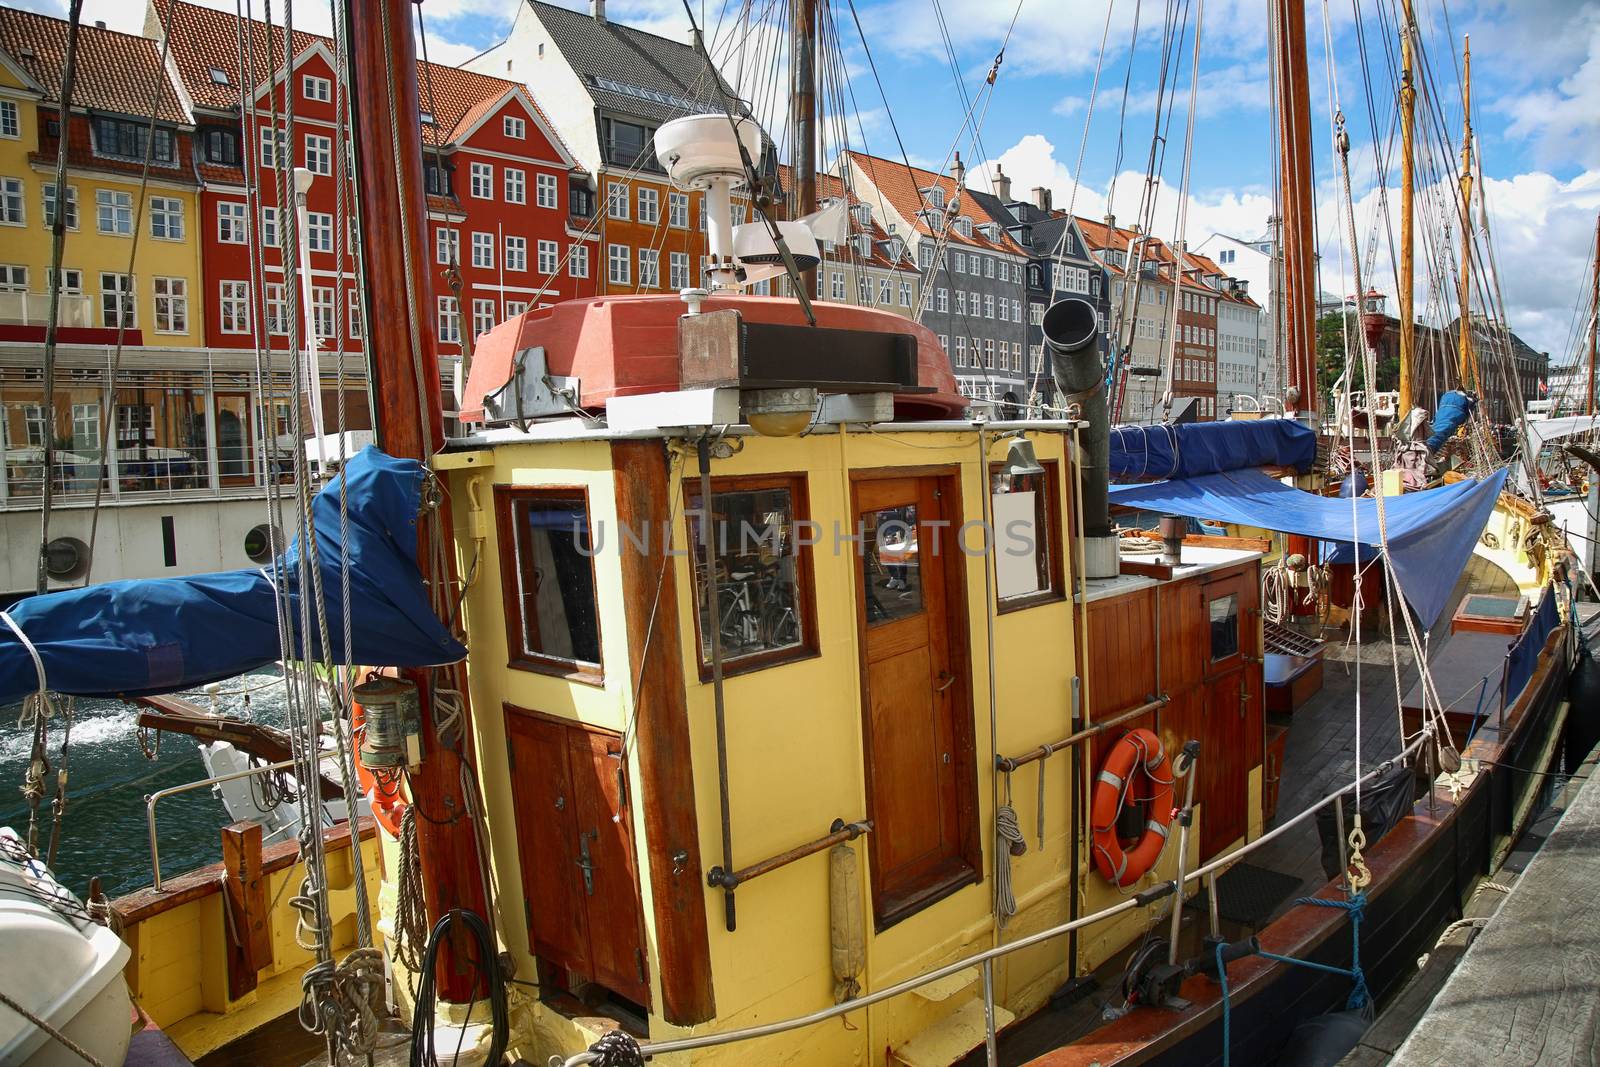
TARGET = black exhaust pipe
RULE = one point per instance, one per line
(1072, 331)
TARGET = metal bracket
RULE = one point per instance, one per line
(531, 392)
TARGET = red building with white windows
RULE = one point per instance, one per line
(500, 196)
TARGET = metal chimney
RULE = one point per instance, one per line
(1072, 331)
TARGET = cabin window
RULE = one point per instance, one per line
(892, 577)
(547, 571)
(1224, 618)
(1027, 537)
(765, 604)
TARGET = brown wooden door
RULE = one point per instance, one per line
(1233, 708)
(575, 846)
(921, 783)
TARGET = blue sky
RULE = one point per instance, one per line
(1536, 79)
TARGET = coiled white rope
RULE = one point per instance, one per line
(1008, 842)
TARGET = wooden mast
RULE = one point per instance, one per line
(1299, 250)
(1408, 115)
(410, 419)
(1594, 321)
(1468, 370)
(803, 114)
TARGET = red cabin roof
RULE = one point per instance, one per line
(628, 345)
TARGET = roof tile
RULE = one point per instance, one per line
(116, 72)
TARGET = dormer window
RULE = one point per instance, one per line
(963, 226)
(426, 119)
(935, 197)
(219, 76)
(862, 214)
(991, 230)
(897, 249)
(863, 243)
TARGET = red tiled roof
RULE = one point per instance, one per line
(81, 153)
(205, 38)
(901, 187)
(116, 72)
(829, 187)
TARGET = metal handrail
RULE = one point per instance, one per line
(150, 805)
(985, 958)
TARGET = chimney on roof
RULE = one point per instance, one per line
(1002, 185)
(1111, 225)
(959, 172)
(598, 9)
(1041, 197)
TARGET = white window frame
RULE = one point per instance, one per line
(13, 278)
(482, 316)
(174, 292)
(269, 226)
(277, 311)
(649, 268)
(481, 180)
(319, 231)
(649, 205)
(10, 120)
(678, 210)
(169, 209)
(482, 250)
(115, 207)
(353, 312)
(549, 257)
(323, 302)
(617, 204)
(319, 153)
(126, 290)
(447, 245)
(516, 253)
(578, 260)
(47, 198)
(516, 185)
(514, 127)
(619, 265)
(313, 87)
(449, 321)
(678, 267)
(546, 191)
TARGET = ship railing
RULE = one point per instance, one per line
(150, 805)
(985, 959)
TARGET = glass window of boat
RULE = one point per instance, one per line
(547, 560)
(892, 575)
(1027, 537)
(1224, 617)
(764, 605)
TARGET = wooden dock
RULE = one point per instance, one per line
(1528, 989)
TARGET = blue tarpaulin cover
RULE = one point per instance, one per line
(1524, 655)
(1188, 449)
(1431, 533)
(161, 635)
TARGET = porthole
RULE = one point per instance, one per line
(66, 558)
(259, 542)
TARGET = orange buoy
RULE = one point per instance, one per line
(1137, 753)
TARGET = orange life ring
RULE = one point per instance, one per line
(387, 800)
(1137, 750)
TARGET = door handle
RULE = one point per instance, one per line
(949, 680)
(584, 862)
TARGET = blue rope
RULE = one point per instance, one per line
(1359, 994)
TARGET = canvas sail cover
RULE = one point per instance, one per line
(1183, 450)
(1430, 534)
(162, 635)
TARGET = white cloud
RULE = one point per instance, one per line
(1563, 121)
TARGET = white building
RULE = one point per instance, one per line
(1252, 262)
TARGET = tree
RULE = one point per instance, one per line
(1331, 356)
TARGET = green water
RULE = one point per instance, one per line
(103, 832)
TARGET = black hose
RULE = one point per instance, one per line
(422, 1054)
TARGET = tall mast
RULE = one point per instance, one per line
(803, 113)
(1408, 114)
(1469, 376)
(1594, 321)
(1295, 200)
(410, 413)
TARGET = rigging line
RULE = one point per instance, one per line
(1122, 115)
(157, 91)
(1181, 250)
(58, 242)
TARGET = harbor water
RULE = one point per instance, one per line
(103, 831)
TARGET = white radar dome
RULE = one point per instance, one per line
(698, 148)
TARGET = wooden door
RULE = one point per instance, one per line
(1233, 708)
(575, 846)
(921, 779)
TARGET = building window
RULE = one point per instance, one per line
(71, 280)
(649, 206)
(270, 144)
(516, 186)
(322, 304)
(885, 291)
(578, 260)
(129, 139)
(678, 210)
(941, 300)
(117, 306)
(988, 267)
(905, 294)
(517, 253)
(319, 154)
(649, 268)
(13, 278)
(549, 257)
(618, 258)
(580, 199)
(482, 317)
(836, 280)
(988, 352)
(483, 250)
(436, 177)
(961, 302)
(514, 128)
(617, 200)
(319, 231)
(277, 311)
(961, 350)
(545, 191)
(166, 218)
(10, 121)
(863, 291)
(765, 605)
(354, 316)
(114, 211)
(678, 270)
(447, 245)
(958, 262)
(315, 88)
(172, 305)
(627, 144)
(449, 321)
(482, 181)
(269, 227)
(50, 205)
(548, 582)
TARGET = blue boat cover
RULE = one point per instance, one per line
(1524, 655)
(1191, 448)
(161, 635)
(1431, 533)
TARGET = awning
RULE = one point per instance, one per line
(1187, 449)
(162, 635)
(1430, 533)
